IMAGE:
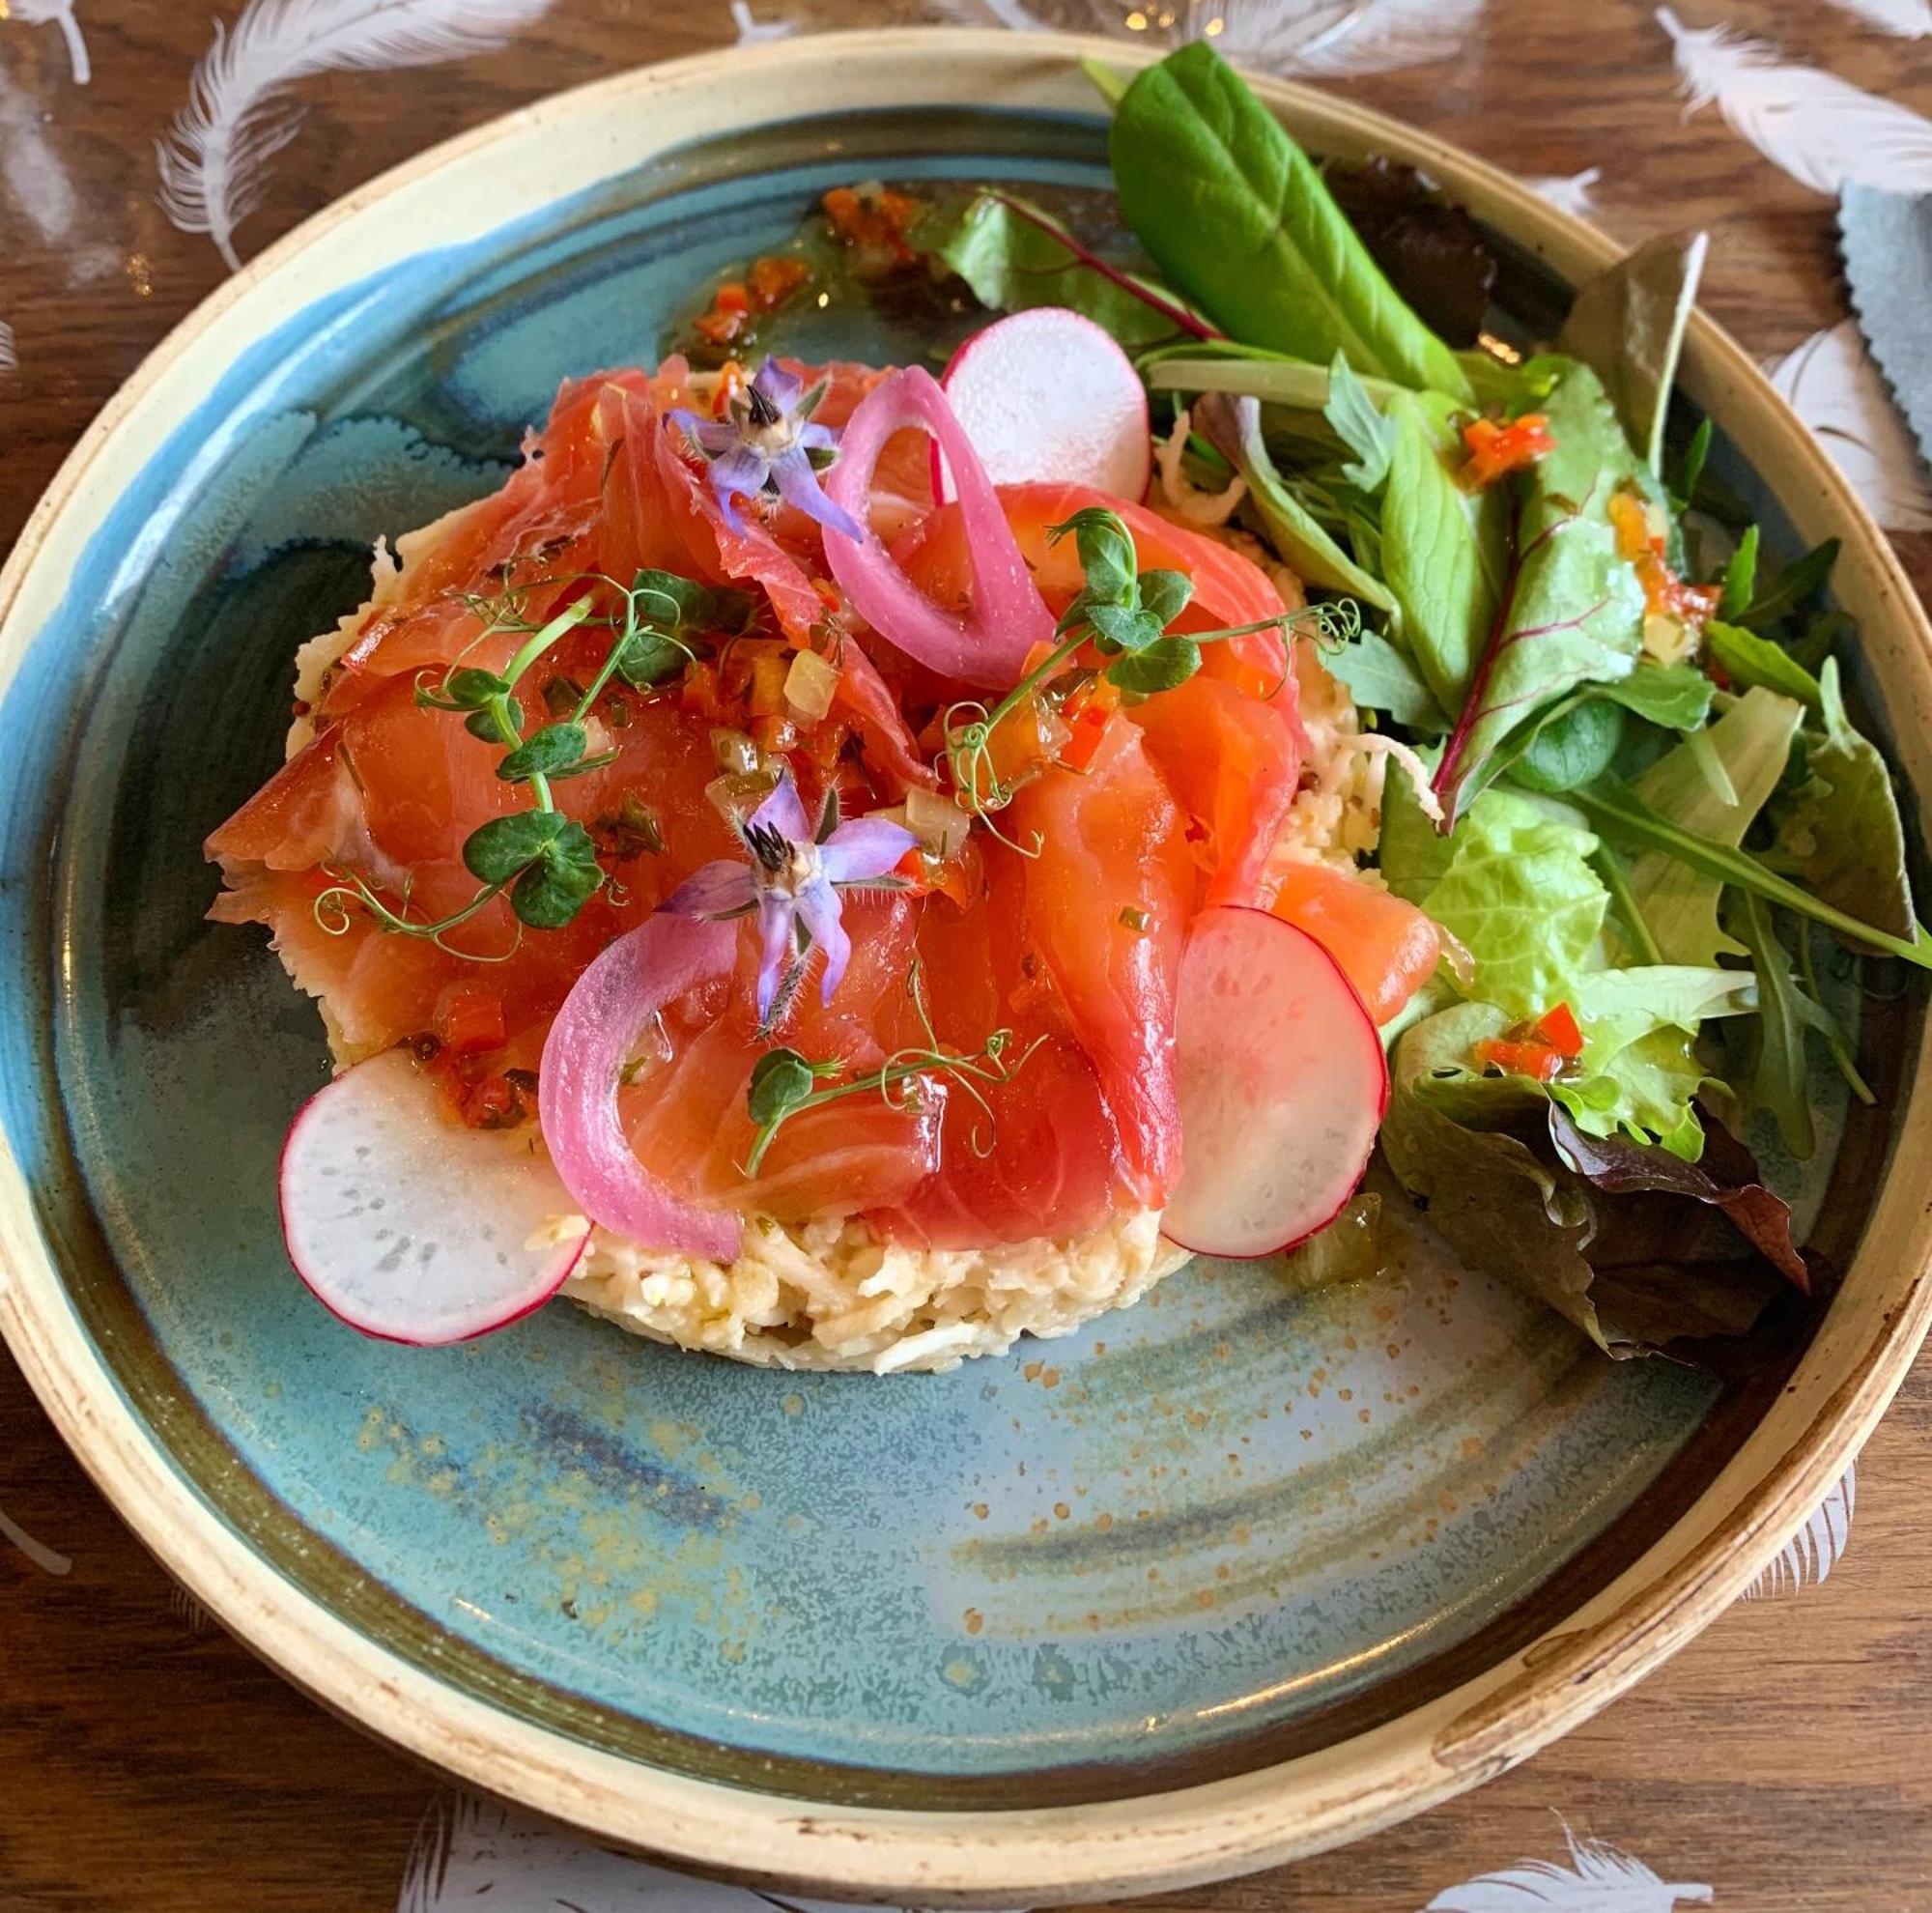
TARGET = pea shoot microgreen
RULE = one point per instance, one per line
(545, 862)
(785, 1084)
(1125, 614)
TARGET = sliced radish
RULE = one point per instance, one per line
(1281, 1083)
(413, 1229)
(1047, 394)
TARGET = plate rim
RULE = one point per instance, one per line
(1189, 1834)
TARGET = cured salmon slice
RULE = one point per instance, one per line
(1063, 933)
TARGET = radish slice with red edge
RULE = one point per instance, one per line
(1281, 1084)
(1047, 394)
(987, 644)
(594, 1036)
(411, 1227)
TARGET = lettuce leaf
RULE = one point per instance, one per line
(1844, 832)
(1640, 1072)
(1752, 742)
(1442, 551)
(1644, 1252)
(1009, 254)
(1574, 613)
(1519, 895)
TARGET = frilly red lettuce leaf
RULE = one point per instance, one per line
(1434, 253)
(1646, 1253)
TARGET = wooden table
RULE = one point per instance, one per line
(147, 1763)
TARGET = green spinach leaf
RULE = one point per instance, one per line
(1238, 216)
(1575, 745)
(1442, 551)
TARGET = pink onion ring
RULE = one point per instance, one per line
(988, 644)
(586, 1050)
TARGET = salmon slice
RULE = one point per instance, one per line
(1039, 1154)
(1229, 591)
(1385, 946)
(1232, 764)
(1106, 904)
(1072, 952)
(687, 1111)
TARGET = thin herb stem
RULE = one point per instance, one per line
(1622, 812)
(1629, 917)
(1184, 320)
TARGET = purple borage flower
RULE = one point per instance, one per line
(768, 441)
(794, 881)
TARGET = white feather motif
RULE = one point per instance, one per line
(752, 30)
(42, 1556)
(1909, 19)
(214, 161)
(1815, 1550)
(1369, 37)
(1569, 192)
(10, 355)
(59, 12)
(474, 1856)
(1316, 38)
(1599, 1880)
(1832, 384)
(1823, 131)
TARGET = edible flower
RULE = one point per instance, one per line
(793, 879)
(767, 441)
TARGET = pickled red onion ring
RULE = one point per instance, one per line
(985, 645)
(583, 1056)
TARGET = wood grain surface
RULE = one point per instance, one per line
(149, 1765)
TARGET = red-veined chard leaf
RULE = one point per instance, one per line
(1572, 612)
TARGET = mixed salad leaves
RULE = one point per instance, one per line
(1633, 854)
(1652, 832)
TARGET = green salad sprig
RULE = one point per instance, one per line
(1648, 802)
(1124, 614)
(784, 1083)
(543, 861)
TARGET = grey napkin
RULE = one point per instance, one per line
(1886, 242)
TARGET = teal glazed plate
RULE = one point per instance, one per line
(1228, 1578)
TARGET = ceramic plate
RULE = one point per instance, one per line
(1219, 1579)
